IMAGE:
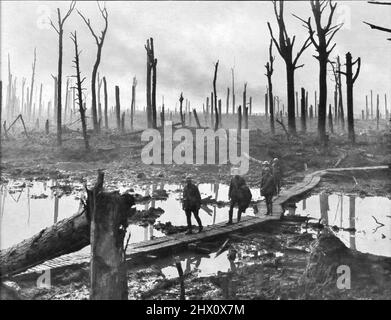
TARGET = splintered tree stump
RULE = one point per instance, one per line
(108, 211)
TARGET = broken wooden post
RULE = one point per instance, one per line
(108, 212)
(117, 107)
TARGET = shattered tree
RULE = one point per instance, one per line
(284, 46)
(60, 31)
(99, 43)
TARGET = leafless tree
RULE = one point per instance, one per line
(269, 72)
(376, 27)
(60, 31)
(151, 84)
(284, 46)
(325, 34)
(99, 43)
(32, 82)
(79, 92)
(215, 96)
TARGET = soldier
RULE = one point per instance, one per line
(276, 171)
(268, 189)
(191, 204)
(239, 194)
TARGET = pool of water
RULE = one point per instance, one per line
(369, 216)
(26, 207)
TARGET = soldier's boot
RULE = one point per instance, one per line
(230, 213)
(239, 214)
(197, 217)
(189, 226)
(270, 207)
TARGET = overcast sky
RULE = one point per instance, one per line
(189, 38)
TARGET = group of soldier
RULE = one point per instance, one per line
(239, 193)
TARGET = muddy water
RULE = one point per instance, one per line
(27, 207)
(351, 212)
(336, 210)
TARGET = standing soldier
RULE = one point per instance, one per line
(239, 194)
(268, 189)
(276, 171)
(191, 204)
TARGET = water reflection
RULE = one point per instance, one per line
(28, 207)
(353, 218)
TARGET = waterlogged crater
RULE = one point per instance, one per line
(363, 224)
(26, 207)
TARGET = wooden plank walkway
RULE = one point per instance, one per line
(176, 242)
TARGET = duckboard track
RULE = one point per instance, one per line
(177, 242)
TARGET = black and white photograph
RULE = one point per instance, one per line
(195, 155)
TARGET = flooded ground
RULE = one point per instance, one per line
(363, 224)
(29, 206)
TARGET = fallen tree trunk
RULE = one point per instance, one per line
(66, 236)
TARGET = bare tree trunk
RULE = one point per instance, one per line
(215, 96)
(233, 90)
(227, 110)
(99, 42)
(350, 79)
(106, 104)
(32, 80)
(133, 103)
(340, 101)
(108, 213)
(240, 119)
(303, 112)
(180, 110)
(79, 83)
(196, 119)
(117, 108)
(330, 118)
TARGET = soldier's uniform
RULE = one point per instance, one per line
(277, 174)
(240, 195)
(191, 204)
(268, 189)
